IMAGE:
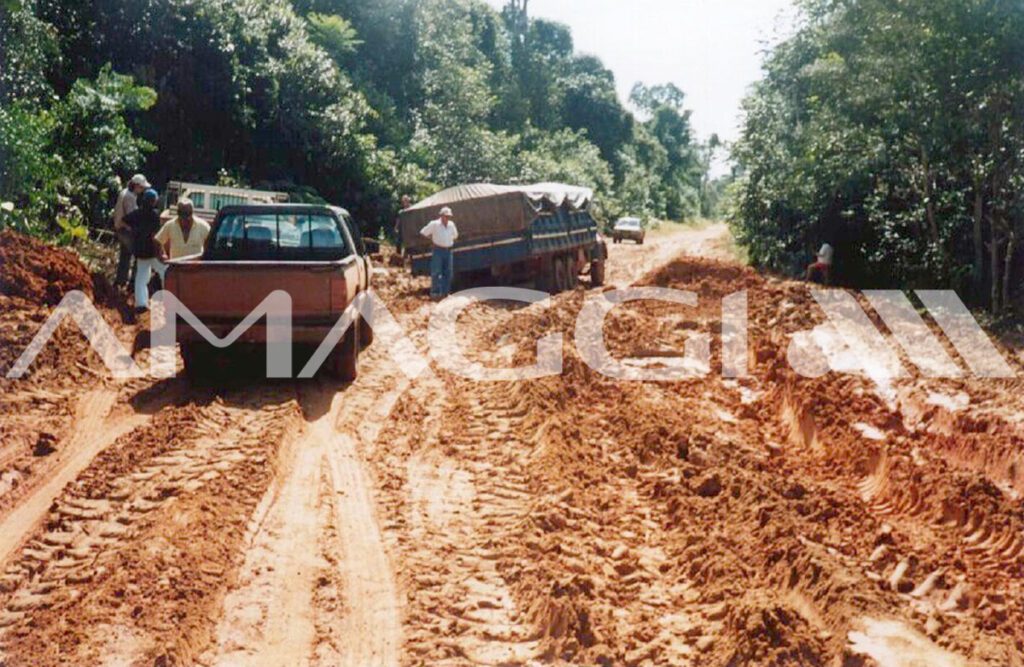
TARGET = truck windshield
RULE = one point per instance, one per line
(279, 236)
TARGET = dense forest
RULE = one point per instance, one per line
(892, 130)
(348, 101)
(895, 132)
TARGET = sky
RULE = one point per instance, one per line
(711, 49)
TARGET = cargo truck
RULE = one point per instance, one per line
(542, 233)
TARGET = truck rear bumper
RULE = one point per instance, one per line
(302, 333)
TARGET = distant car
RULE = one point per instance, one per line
(628, 228)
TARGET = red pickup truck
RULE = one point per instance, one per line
(314, 253)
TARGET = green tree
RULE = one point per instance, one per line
(894, 131)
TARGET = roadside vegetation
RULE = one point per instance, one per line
(339, 100)
(894, 132)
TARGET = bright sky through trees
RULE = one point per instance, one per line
(711, 49)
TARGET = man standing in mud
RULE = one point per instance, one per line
(127, 202)
(145, 223)
(443, 233)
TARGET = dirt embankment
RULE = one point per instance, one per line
(38, 409)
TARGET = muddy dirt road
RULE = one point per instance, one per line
(431, 519)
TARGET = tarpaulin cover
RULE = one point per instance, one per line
(481, 210)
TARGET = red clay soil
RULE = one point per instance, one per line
(748, 522)
(37, 272)
(36, 410)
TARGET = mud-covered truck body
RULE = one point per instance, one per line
(314, 253)
(541, 232)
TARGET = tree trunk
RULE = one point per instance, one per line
(1011, 247)
(978, 270)
(929, 205)
(995, 291)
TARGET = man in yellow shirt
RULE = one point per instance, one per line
(185, 235)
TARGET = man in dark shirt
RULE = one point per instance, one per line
(145, 223)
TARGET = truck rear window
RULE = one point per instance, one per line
(280, 236)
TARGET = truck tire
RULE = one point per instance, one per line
(197, 358)
(571, 272)
(561, 277)
(365, 334)
(344, 360)
(546, 275)
(597, 273)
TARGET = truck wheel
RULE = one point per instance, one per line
(561, 279)
(197, 362)
(546, 275)
(365, 334)
(344, 359)
(597, 273)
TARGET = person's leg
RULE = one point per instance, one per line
(449, 271)
(143, 269)
(124, 258)
(161, 270)
(435, 273)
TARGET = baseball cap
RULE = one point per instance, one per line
(139, 179)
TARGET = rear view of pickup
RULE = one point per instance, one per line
(314, 253)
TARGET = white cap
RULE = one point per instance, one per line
(446, 211)
(139, 179)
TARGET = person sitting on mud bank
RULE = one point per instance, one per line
(185, 235)
(821, 270)
(145, 223)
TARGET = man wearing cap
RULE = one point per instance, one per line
(127, 202)
(145, 223)
(443, 233)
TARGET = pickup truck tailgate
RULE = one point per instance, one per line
(231, 290)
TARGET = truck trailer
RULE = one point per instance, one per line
(543, 233)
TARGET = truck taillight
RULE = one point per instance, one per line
(339, 293)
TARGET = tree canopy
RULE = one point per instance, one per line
(895, 132)
(355, 102)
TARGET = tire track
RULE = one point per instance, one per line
(269, 616)
(317, 585)
(127, 508)
(91, 433)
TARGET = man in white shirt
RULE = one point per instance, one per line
(185, 235)
(443, 233)
(821, 270)
(127, 202)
